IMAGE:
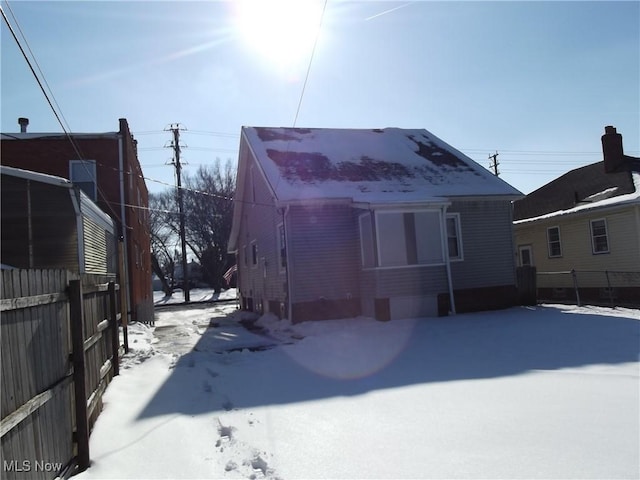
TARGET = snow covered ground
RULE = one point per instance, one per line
(195, 295)
(545, 392)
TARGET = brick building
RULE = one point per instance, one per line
(106, 167)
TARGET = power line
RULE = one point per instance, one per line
(313, 51)
(50, 98)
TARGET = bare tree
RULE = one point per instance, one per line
(208, 208)
(164, 239)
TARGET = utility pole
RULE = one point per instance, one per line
(175, 144)
(494, 164)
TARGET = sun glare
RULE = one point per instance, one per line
(281, 31)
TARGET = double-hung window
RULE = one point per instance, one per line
(454, 241)
(553, 242)
(599, 236)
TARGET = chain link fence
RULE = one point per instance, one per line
(594, 287)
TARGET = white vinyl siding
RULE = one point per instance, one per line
(622, 226)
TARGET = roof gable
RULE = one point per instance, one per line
(372, 165)
(580, 187)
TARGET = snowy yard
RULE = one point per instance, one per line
(545, 392)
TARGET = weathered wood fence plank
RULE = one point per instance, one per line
(59, 340)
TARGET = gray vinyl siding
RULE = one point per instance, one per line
(259, 224)
(324, 252)
(487, 245)
(406, 281)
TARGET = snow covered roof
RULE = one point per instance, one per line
(598, 200)
(581, 189)
(35, 176)
(389, 165)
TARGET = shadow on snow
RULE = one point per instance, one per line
(466, 347)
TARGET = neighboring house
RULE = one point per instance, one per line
(587, 220)
(47, 222)
(388, 223)
(105, 166)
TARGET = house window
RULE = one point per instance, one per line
(282, 247)
(553, 242)
(599, 236)
(526, 255)
(408, 238)
(454, 241)
(254, 254)
(83, 174)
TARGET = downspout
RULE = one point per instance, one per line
(123, 227)
(287, 250)
(447, 261)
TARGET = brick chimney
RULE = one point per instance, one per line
(23, 122)
(612, 150)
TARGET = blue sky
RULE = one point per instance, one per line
(535, 81)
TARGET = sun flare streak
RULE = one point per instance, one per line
(282, 32)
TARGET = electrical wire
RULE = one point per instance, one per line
(50, 98)
(313, 51)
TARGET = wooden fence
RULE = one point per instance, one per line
(60, 348)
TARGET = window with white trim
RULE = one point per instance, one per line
(554, 246)
(367, 247)
(409, 238)
(599, 236)
(454, 239)
(83, 174)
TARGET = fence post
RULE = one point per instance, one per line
(76, 310)
(575, 286)
(115, 337)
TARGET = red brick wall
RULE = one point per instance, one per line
(51, 155)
